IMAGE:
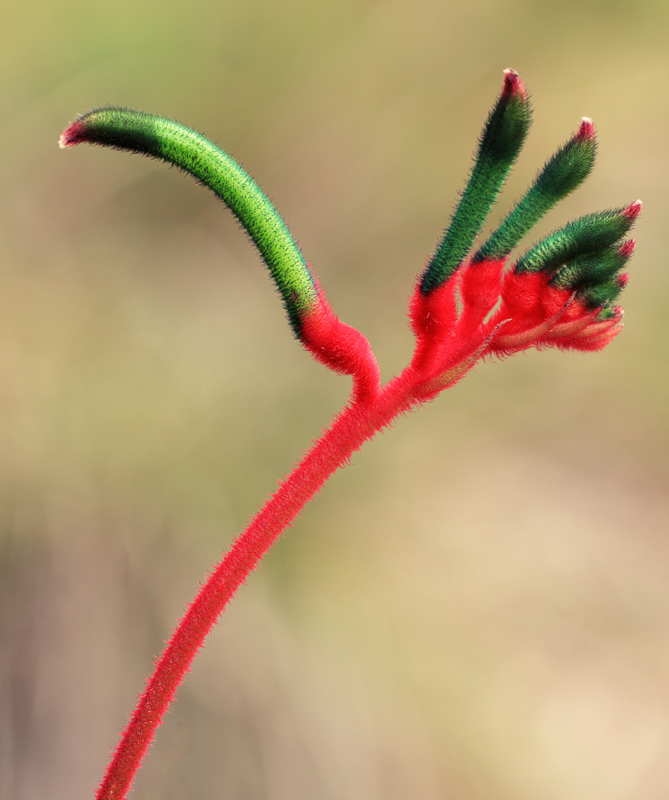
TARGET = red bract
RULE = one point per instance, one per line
(467, 304)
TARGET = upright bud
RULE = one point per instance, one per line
(561, 174)
(501, 140)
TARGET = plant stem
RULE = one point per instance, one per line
(351, 428)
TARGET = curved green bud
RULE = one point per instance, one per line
(562, 173)
(603, 295)
(501, 141)
(590, 234)
(593, 268)
(151, 135)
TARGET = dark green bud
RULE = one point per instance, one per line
(501, 140)
(590, 234)
(562, 173)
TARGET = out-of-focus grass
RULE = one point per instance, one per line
(478, 607)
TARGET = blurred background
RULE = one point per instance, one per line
(478, 607)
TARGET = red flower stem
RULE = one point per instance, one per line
(351, 428)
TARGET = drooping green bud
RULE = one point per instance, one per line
(501, 141)
(139, 132)
(590, 234)
(561, 174)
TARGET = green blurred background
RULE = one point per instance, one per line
(478, 608)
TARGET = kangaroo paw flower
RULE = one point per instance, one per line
(466, 304)
(560, 292)
(573, 277)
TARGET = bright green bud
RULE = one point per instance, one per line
(139, 132)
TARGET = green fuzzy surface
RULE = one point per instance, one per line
(170, 141)
(589, 234)
(500, 143)
(589, 270)
(602, 295)
(561, 174)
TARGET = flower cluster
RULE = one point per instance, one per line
(469, 302)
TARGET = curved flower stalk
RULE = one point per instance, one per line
(467, 304)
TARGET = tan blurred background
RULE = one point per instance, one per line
(478, 608)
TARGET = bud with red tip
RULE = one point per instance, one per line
(501, 141)
(560, 292)
(561, 174)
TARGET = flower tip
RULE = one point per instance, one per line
(586, 131)
(627, 248)
(73, 134)
(513, 86)
(633, 211)
(613, 317)
(622, 280)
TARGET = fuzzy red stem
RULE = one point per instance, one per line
(440, 360)
(355, 424)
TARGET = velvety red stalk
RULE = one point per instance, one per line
(370, 410)
(341, 348)
(356, 423)
(347, 433)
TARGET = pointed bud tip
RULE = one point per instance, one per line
(627, 248)
(73, 134)
(633, 211)
(586, 131)
(622, 280)
(513, 86)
